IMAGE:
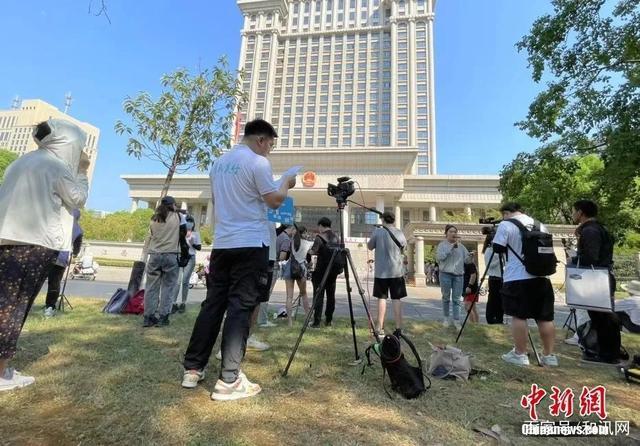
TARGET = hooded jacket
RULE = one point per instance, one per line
(42, 188)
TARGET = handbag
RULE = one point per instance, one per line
(449, 363)
(588, 288)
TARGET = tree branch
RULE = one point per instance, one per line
(102, 11)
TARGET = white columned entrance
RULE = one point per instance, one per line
(398, 213)
(134, 205)
(209, 220)
(380, 203)
(419, 262)
(433, 216)
(346, 222)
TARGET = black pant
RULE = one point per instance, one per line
(238, 280)
(54, 282)
(607, 327)
(329, 290)
(495, 312)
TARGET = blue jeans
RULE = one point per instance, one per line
(186, 272)
(162, 283)
(451, 286)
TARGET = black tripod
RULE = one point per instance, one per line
(335, 252)
(473, 304)
(62, 299)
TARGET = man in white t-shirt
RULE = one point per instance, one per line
(242, 187)
(524, 296)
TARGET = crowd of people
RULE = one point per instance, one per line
(250, 254)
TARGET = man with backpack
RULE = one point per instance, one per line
(389, 244)
(595, 249)
(325, 242)
(527, 292)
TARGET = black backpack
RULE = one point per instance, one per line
(324, 256)
(405, 379)
(538, 257)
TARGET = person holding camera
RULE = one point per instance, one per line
(595, 249)
(389, 244)
(242, 187)
(46, 185)
(451, 256)
(494, 312)
(325, 241)
(524, 296)
(163, 271)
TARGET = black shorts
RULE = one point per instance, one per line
(395, 287)
(266, 292)
(529, 299)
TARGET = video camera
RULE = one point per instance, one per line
(343, 190)
(489, 221)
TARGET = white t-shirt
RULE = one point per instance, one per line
(509, 234)
(239, 179)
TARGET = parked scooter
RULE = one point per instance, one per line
(85, 269)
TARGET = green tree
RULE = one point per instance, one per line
(117, 227)
(6, 158)
(588, 52)
(188, 124)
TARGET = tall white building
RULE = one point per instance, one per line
(16, 128)
(342, 74)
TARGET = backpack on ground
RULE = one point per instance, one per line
(538, 257)
(405, 379)
(135, 305)
(449, 363)
(590, 344)
(117, 302)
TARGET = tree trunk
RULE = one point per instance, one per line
(167, 181)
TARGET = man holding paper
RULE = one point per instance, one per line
(242, 188)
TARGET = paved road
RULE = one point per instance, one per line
(424, 303)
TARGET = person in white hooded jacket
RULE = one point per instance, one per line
(45, 185)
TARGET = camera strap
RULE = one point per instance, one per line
(393, 237)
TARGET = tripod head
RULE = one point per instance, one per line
(343, 190)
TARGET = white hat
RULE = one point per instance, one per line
(632, 287)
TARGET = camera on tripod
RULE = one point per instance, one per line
(489, 221)
(343, 190)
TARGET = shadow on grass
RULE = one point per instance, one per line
(103, 379)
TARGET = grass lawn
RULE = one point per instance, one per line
(102, 379)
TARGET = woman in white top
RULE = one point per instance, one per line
(195, 244)
(298, 253)
(39, 193)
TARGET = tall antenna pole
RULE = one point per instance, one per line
(67, 102)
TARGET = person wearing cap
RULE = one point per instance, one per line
(46, 185)
(242, 188)
(389, 244)
(163, 247)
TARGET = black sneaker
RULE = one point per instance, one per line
(328, 323)
(182, 308)
(164, 321)
(589, 359)
(315, 325)
(149, 321)
(174, 309)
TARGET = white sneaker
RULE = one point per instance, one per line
(268, 324)
(219, 355)
(242, 388)
(49, 312)
(12, 379)
(549, 360)
(513, 358)
(457, 325)
(446, 323)
(191, 378)
(254, 344)
(573, 340)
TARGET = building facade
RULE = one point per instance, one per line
(342, 74)
(16, 127)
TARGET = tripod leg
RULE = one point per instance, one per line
(473, 304)
(362, 293)
(316, 296)
(353, 320)
(63, 298)
(535, 352)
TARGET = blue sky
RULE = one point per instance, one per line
(483, 84)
